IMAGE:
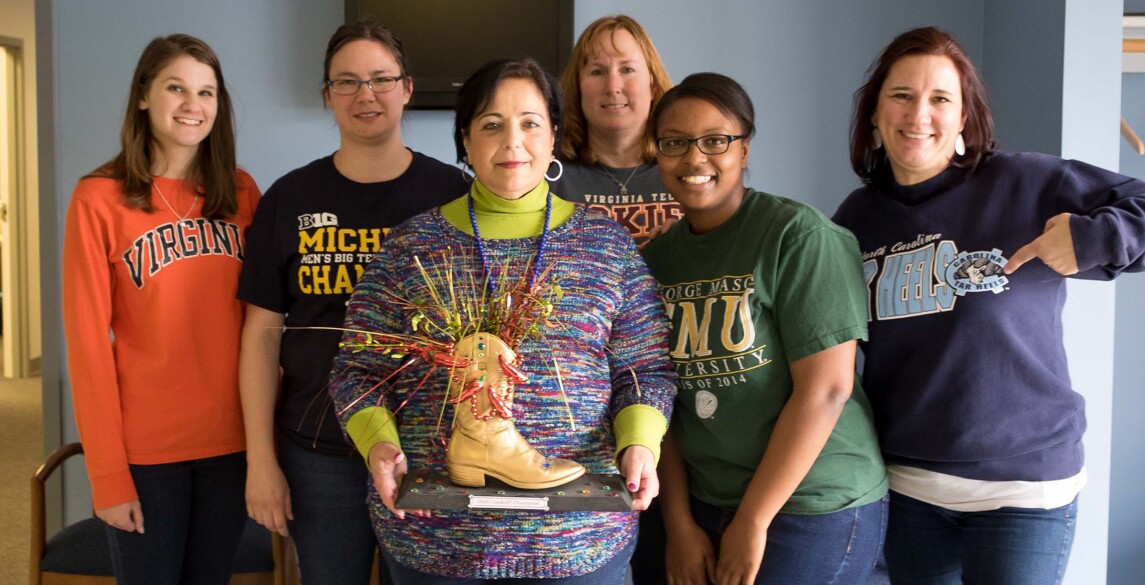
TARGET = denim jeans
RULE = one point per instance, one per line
(931, 545)
(331, 528)
(648, 559)
(612, 573)
(193, 516)
(839, 548)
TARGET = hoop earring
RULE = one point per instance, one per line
(467, 176)
(876, 138)
(560, 171)
(959, 145)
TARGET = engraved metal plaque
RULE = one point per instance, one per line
(591, 492)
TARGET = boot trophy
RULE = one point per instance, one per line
(485, 440)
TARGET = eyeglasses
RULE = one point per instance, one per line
(353, 86)
(710, 144)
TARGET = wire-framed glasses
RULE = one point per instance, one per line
(353, 86)
(710, 144)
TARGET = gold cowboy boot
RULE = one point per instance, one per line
(485, 441)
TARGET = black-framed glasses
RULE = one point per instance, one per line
(710, 144)
(353, 86)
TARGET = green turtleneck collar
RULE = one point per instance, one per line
(503, 219)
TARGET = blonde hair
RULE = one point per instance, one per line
(574, 143)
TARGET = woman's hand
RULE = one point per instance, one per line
(638, 467)
(741, 552)
(267, 493)
(128, 516)
(1054, 247)
(658, 231)
(268, 496)
(388, 467)
(821, 385)
(690, 559)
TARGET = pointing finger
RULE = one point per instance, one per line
(1023, 255)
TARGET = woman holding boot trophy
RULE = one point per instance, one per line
(507, 334)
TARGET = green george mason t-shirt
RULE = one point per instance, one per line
(776, 283)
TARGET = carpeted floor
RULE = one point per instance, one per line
(21, 450)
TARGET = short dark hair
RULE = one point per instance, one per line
(364, 30)
(978, 131)
(213, 169)
(480, 87)
(723, 92)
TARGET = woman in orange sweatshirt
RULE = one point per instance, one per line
(153, 247)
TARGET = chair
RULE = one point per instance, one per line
(80, 555)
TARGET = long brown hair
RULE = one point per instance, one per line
(574, 144)
(213, 169)
(978, 132)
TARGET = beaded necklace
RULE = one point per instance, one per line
(485, 267)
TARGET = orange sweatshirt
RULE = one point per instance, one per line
(152, 328)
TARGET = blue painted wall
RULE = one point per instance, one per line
(801, 63)
(1020, 68)
(1091, 98)
(1127, 524)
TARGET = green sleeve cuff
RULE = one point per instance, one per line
(640, 424)
(370, 426)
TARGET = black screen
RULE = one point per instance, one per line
(447, 40)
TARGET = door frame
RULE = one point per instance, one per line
(14, 269)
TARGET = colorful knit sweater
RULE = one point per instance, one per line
(612, 352)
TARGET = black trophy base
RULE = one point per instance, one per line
(590, 493)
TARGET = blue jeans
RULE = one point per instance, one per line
(839, 548)
(1010, 546)
(612, 573)
(648, 559)
(331, 528)
(193, 516)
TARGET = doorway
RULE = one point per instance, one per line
(15, 245)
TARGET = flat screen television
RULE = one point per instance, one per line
(447, 40)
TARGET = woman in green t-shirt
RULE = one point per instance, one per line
(771, 472)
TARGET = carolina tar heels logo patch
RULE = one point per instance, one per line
(977, 272)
